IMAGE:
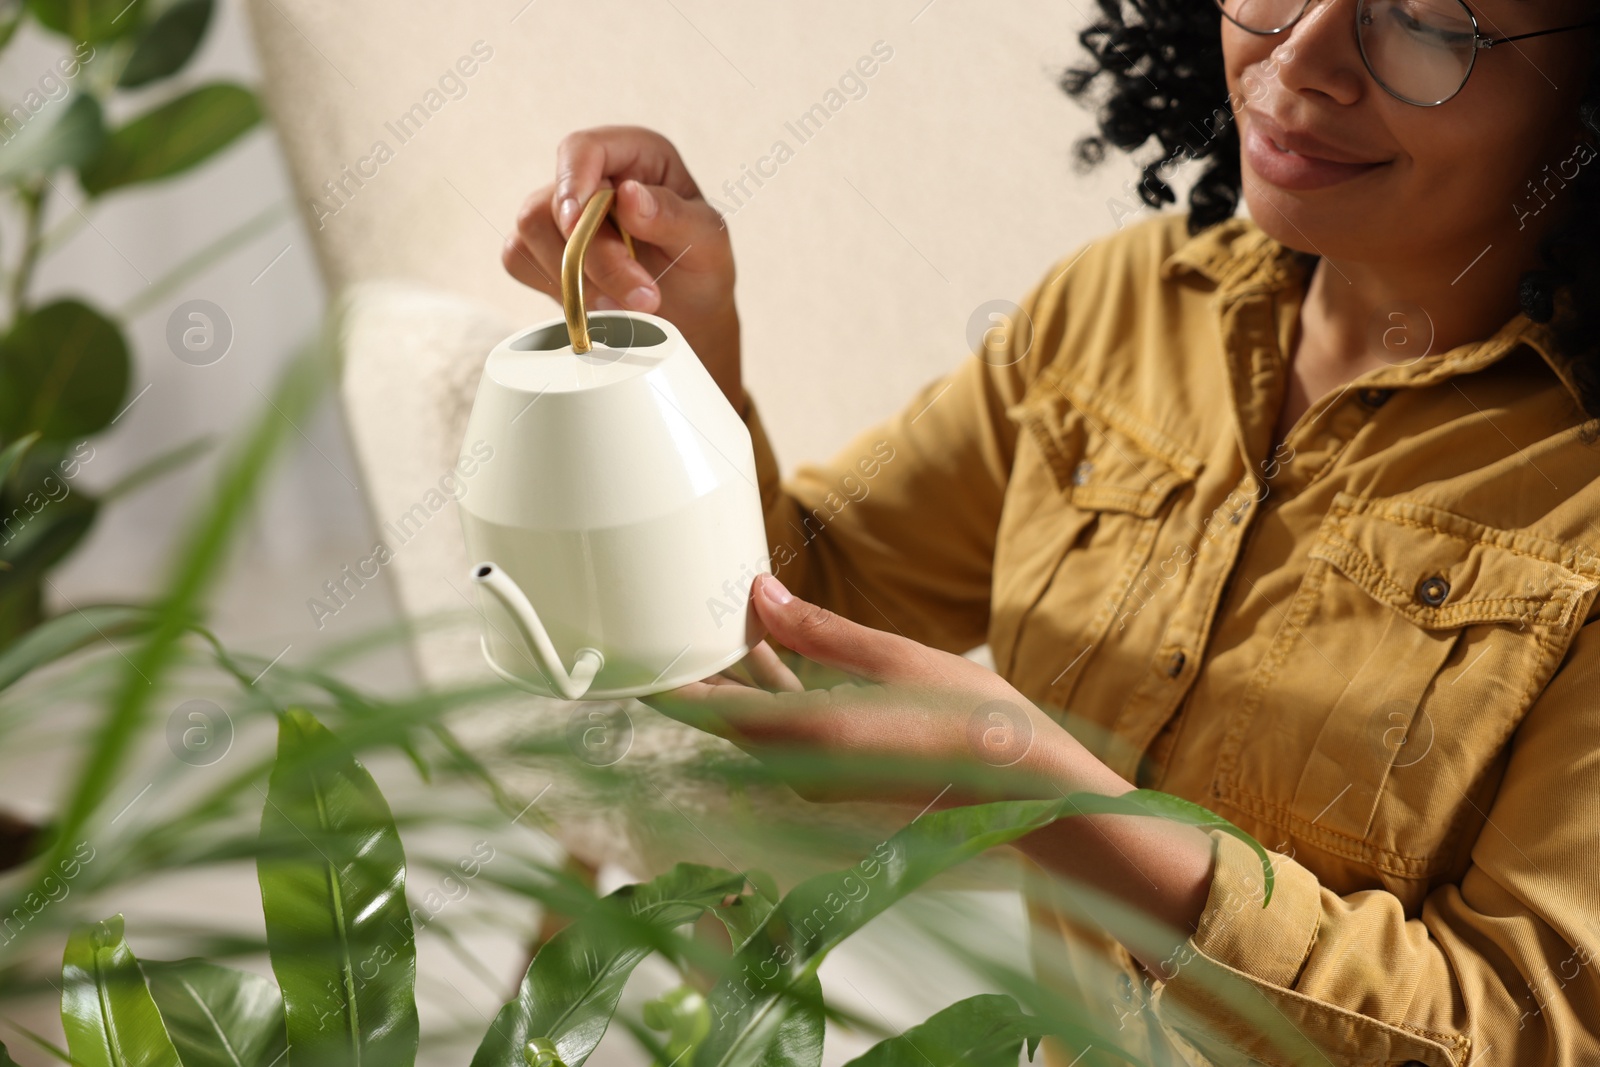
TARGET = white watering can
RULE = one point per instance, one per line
(619, 523)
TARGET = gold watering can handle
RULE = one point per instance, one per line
(594, 214)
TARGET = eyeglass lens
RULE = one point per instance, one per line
(1419, 50)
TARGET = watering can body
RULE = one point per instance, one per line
(619, 528)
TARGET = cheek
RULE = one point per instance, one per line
(1243, 56)
(1483, 165)
(1252, 65)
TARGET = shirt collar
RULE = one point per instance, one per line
(1240, 259)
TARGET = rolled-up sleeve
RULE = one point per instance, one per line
(1503, 967)
(897, 530)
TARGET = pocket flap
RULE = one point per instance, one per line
(1101, 457)
(1441, 570)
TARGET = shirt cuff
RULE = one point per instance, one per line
(1230, 993)
(1271, 943)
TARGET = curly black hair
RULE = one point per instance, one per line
(1157, 74)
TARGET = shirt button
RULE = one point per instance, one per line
(1375, 398)
(1175, 663)
(1080, 473)
(1433, 590)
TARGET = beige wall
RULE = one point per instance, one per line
(948, 184)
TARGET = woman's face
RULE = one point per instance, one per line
(1441, 183)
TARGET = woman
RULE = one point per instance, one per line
(1296, 518)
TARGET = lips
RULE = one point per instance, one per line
(1293, 159)
(1301, 143)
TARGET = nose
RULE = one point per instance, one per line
(1320, 55)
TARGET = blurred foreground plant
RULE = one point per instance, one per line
(341, 936)
(64, 365)
(332, 876)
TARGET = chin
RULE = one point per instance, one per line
(1323, 229)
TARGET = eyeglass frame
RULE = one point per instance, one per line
(1480, 43)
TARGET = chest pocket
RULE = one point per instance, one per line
(1376, 726)
(1091, 485)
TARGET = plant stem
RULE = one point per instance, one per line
(33, 200)
(217, 250)
(62, 232)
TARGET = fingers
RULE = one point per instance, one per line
(618, 276)
(658, 215)
(692, 705)
(659, 218)
(586, 159)
(532, 254)
(828, 638)
(769, 672)
(676, 233)
(664, 227)
(742, 713)
(738, 674)
(662, 224)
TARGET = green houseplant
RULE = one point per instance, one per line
(64, 364)
(332, 872)
(332, 877)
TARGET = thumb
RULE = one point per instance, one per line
(832, 640)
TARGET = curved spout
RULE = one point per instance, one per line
(586, 664)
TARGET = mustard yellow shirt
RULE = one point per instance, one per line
(1371, 646)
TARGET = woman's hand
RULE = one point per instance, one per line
(684, 272)
(927, 726)
(933, 729)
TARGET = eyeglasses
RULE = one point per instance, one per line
(1420, 51)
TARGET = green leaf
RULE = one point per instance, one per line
(747, 913)
(63, 372)
(32, 544)
(167, 43)
(768, 982)
(106, 1010)
(1174, 809)
(771, 972)
(21, 605)
(987, 1030)
(11, 12)
(155, 468)
(541, 1052)
(685, 1017)
(333, 890)
(39, 533)
(572, 987)
(88, 20)
(198, 560)
(12, 456)
(172, 138)
(798, 1039)
(42, 519)
(64, 137)
(65, 634)
(753, 1003)
(797, 1042)
(652, 1045)
(218, 1017)
(5, 1057)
